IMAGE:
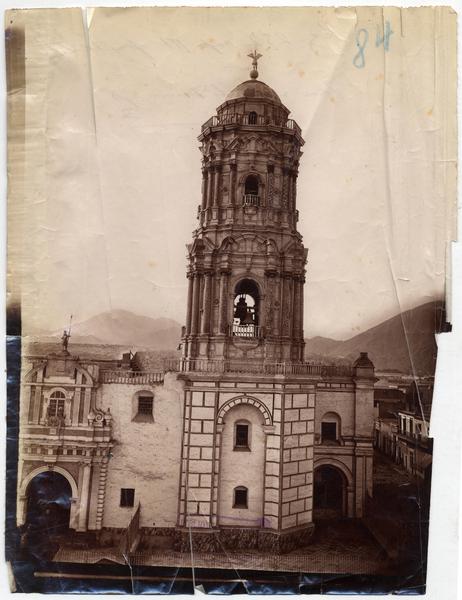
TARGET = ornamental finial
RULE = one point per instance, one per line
(254, 56)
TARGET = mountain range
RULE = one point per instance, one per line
(405, 342)
(122, 328)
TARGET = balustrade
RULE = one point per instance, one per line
(132, 377)
(250, 200)
(205, 365)
(258, 121)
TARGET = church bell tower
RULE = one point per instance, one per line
(247, 261)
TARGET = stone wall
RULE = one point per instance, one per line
(242, 468)
(278, 471)
(298, 441)
(146, 455)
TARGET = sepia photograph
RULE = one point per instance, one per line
(228, 241)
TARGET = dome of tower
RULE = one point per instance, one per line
(253, 90)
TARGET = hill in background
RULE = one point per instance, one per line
(405, 342)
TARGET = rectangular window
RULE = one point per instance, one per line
(127, 497)
(240, 497)
(56, 407)
(145, 405)
(328, 432)
(242, 436)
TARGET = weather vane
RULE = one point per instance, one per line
(254, 56)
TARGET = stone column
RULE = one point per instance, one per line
(289, 190)
(223, 306)
(294, 327)
(216, 186)
(286, 306)
(210, 186)
(277, 305)
(37, 398)
(86, 404)
(77, 399)
(350, 502)
(204, 188)
(284, 198)
(232, 183)
(195, 304)
(369, 475)
(301, 305)
(101, 493)
(206, 302)
(189, 305)
(269, 185)
(294, 192)
(359, 484)
(84, 496)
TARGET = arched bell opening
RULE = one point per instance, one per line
(252, 191)
(246, 310)
(330, 493)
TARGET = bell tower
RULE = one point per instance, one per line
(247, 261)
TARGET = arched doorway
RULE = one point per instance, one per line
(48, 506)
(330, 498)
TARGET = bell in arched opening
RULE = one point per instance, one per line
(251, 191)
(246, 309)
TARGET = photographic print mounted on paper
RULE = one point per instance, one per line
(227, 264)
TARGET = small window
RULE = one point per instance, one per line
(328, 432)
(252, 118)
(240, 497)
(241, 439)
(127, 497)
(145, 405)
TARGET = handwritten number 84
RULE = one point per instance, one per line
(362, 37)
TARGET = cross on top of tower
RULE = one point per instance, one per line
(254, 56)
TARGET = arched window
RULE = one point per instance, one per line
(242, 435)
(246, 309)
(252, 118)
(241, 497)
(251, 191)
(330, 428)
(56, 404)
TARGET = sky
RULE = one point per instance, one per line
(112, 172)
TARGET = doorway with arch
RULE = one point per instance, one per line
(330, 498)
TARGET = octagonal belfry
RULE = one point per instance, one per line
(247, 261)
